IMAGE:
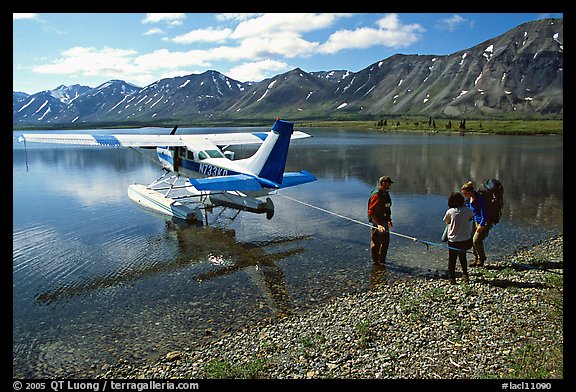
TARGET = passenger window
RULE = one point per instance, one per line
(202, 155)
(189, 155)
(182, 153)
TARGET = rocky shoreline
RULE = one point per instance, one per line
(507, 322)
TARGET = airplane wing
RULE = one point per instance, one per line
(103, 140)
(231, 139)
(141, 140)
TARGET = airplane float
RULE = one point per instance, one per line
(198, 171)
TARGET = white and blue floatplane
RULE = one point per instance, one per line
(199, 172)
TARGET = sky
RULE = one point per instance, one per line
(53, 49)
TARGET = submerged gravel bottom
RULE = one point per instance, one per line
(495, 326)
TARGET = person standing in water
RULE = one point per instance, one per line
(480, 228)
(380, 215)
(458, 218)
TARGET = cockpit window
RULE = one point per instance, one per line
(210, 154)
(214, 153)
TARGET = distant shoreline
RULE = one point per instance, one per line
(449, 126)
(553, 126)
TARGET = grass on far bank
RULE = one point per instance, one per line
(510, 127)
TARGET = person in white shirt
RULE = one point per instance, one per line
(458, 218)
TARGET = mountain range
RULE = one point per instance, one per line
(518, 72)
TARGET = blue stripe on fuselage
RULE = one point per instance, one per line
(204, 169)
(163, 155)
(106, 140)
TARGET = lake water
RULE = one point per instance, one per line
(97, 278)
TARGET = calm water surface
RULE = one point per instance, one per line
(97, 278)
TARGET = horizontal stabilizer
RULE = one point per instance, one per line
(238, 182)
(296, 178)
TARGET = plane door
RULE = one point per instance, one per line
(177, 158)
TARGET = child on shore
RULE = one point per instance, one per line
(458, 218)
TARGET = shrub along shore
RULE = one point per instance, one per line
(456, 126)
(506, 323)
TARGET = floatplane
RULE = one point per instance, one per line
(199, 170)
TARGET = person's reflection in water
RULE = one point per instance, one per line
(378, 276)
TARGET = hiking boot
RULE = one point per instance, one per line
(452, 281)
(465, 278)
(475, 263)
(480, 263)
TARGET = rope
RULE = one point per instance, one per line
(427, 243)
(367, 224)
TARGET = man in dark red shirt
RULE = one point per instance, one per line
(380, 215)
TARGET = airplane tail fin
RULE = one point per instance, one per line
(269, 161)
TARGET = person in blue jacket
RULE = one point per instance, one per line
(480, 227)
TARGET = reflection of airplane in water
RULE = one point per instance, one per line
(215, 250)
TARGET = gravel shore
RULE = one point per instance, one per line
(507, 322)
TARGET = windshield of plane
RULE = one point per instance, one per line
(210, 153)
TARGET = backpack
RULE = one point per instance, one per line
(375, 190)
(493, 194)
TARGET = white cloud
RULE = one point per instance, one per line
(452, 23)
(390, 32)
(122, 63)
(203, 35)
(20, 16)
(154, 31)
(90, 62)
(277, 23)
(235, 16)
(285, 44)
(260, 36)
(174, 19)
(165, 59)
(257, 70)
(254, 46)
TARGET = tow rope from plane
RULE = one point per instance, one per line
(427, 243)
